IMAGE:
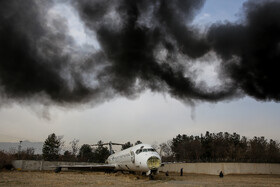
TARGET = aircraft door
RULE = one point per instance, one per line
(132, 155)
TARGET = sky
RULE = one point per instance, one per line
(152, 117)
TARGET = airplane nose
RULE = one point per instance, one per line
(153, 162)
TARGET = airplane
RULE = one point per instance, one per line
(141, 158)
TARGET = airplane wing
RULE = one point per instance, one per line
(89, 167)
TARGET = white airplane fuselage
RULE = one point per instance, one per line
(139, 158)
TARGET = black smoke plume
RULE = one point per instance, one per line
(251, 50)
(144, 44)
(36, 59)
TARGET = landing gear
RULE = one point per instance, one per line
(151, 174)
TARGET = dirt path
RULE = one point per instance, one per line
(67, 179)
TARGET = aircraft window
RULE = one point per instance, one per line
(145, 150)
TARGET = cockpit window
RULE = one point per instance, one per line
(145, 150)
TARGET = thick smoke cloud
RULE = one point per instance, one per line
(144, 44)
(144, 29)
(32, 55)
(251, 51)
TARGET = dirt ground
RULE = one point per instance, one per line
(21, 178)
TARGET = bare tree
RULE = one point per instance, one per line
(155, 146)
(74, 146)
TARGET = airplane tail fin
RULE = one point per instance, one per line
(110, 145)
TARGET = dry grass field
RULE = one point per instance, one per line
(67, 179)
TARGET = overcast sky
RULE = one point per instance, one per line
(150, 117)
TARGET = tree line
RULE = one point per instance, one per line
(86, 153)
(210, 147)
(220, 147)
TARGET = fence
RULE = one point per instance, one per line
(198, 168)
(34, 165)
(226, 168)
